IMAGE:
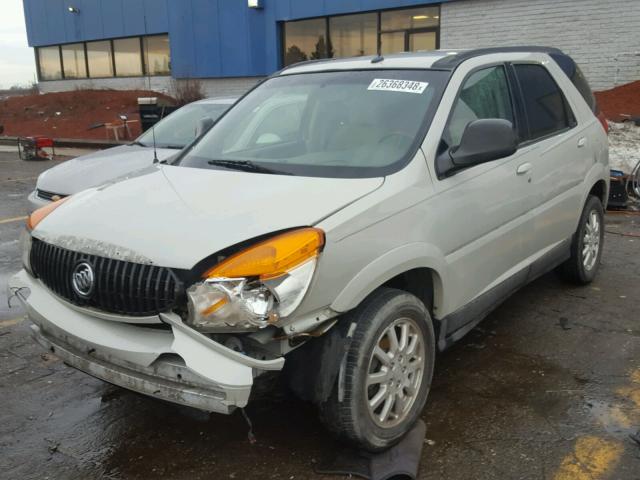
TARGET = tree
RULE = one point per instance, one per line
(322, 50)
(294, 55)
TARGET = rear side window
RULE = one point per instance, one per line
(583, 87)
(545, 106)
(578, 79)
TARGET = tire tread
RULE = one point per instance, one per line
(571, 270)
(338, 416)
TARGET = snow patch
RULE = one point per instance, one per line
(624, 146)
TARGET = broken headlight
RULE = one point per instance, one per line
(257, 286)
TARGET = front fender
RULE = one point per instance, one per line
(389, 265)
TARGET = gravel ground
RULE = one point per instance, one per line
(548, 387)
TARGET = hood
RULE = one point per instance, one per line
(176, 216)
(97, 168)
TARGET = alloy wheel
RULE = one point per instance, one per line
(395, 373)
(591, 241)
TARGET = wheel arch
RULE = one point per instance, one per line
(416, 268)
(312, 369)
(600, 189)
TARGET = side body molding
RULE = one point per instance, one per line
(389, 265)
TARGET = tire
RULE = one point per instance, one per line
(347, 412)
(586, 246)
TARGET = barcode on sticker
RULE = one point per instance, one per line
(389, 85)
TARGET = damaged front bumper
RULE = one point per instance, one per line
(178, 364)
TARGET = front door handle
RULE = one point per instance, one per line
(582, 142)
(524, 168)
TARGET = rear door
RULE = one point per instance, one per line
(558, 151)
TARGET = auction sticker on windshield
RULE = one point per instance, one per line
(389, 85)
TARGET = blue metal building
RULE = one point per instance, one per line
(229, 44)
(208, 39)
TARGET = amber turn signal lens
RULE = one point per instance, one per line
(36, 217)
(271, 258)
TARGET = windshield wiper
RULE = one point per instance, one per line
(138, 144)
(172, 147)
(246, 166)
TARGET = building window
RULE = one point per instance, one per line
(49, 63)
(100, 59)
(156, 55)
(127, 57)
(410, 29)
(410, 18)
(122, 57)
(73, 61)
(354, 35)
(387, 31)
(305, 40)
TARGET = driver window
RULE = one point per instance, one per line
(485, 94)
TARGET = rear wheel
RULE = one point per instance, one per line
(586, 247)
(387, 373)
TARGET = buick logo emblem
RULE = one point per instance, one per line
(83, 279)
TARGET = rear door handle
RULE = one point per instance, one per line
(582, 142)
(524, 168)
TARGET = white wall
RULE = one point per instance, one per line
(212, 87)
(602, 36)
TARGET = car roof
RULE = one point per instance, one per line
(395, 60)
(218, 100)
(448, 59)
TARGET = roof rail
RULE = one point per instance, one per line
(306, 62)
(450, 62)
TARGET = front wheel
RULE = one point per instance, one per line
(387, 373)
(586, 247)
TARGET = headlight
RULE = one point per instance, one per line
(259, 285)
(25, 248)
(37, 216)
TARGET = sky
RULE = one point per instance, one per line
(17, 64)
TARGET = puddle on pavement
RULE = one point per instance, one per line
(615, 418)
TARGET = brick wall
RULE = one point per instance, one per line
(602, 36)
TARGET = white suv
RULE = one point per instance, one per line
(343, 221)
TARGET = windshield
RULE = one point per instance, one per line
(179, 129)
(335, 124)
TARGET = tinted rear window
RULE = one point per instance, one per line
(544, 103)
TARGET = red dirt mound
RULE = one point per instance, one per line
(72, 114)
(620, 102)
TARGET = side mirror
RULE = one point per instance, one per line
(203, 125)
(482, 141)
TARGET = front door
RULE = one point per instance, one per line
(482, 237)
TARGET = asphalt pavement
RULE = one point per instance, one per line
(547, 387)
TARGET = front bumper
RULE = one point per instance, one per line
(179, 365)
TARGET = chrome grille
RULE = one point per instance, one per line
(121, 287)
